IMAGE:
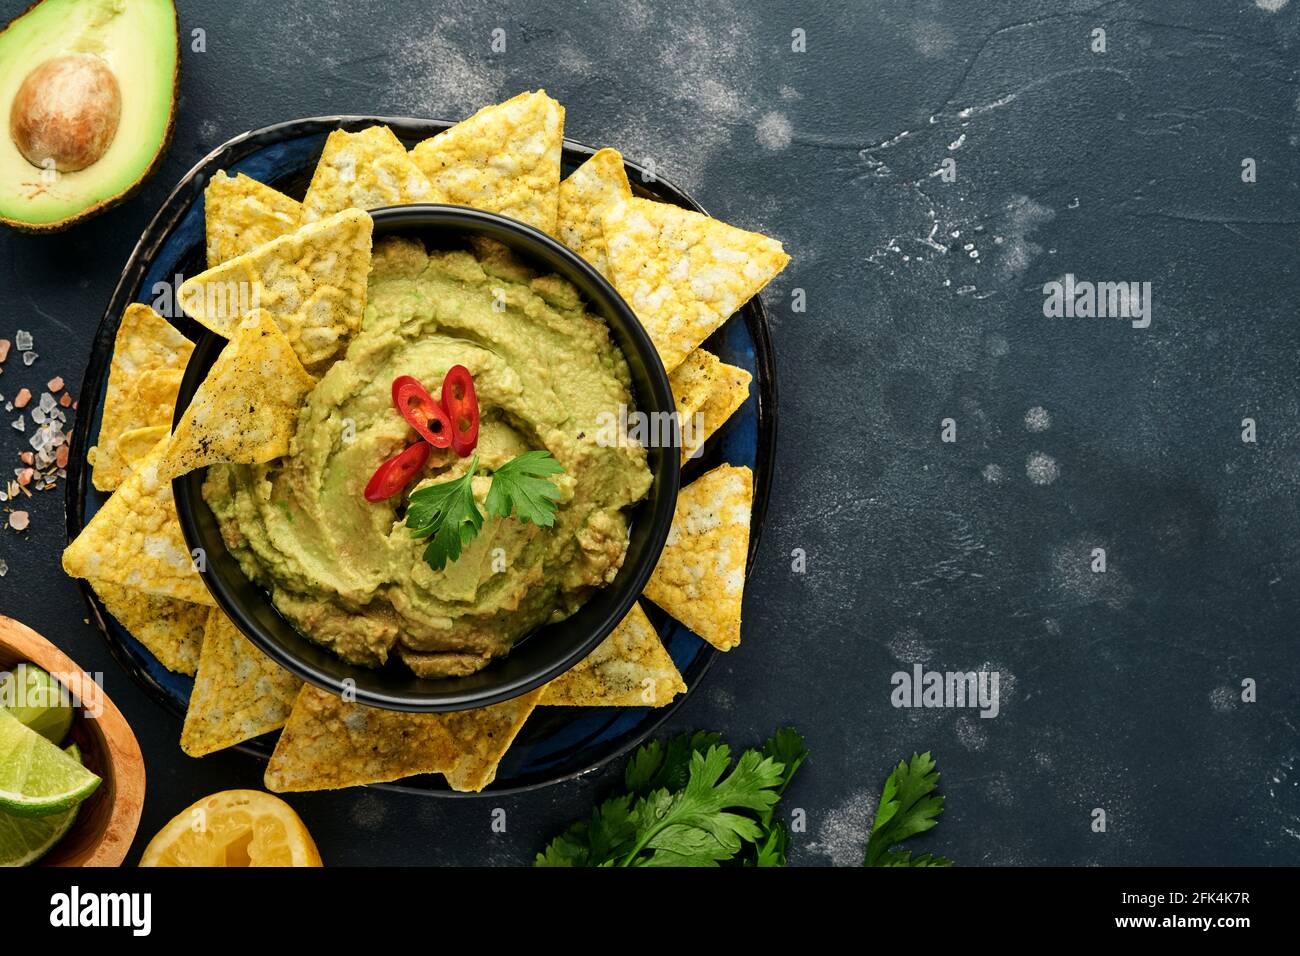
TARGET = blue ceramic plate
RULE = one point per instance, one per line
(557, 743)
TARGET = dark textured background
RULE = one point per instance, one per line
(1120, 690)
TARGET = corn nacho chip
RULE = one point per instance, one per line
(171, 630)
(147, 405)
(630, 668)
(683, 273)
(503, 159)
(482, 737)
(729, 391)
(135, 541)
(364, 170)
(146, 341)
(700, 579)
(241, 214)
(133, 446)
(312, 281)
(692, 382)
(147, 345)
(585, 196)
(239, 693)
(246, 409)
(329, 743)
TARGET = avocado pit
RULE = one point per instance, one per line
(66, 111)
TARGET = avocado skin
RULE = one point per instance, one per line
(106, 204)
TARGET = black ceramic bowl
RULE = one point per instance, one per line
(545, 653)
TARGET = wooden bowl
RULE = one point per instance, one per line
(108, 818)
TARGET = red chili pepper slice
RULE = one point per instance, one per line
(396, 473)
(461, 404)
(420, 410)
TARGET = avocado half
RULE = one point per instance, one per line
(87, 100)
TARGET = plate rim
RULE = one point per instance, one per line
(160, 228)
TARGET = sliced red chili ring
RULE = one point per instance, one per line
(396, 473)
(421, 411)
(461, 404)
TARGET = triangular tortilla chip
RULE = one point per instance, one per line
(241, 214)
(135, 541)
(683, 273)
(482, 737)
(700, 579)
(171, 630)
(328, 743)
(364, 170)
(246, 409)
(729, 391)
(239, 692)
(589, 192)
(149, 404)
(692, 382)
(312, 281)
(146, 343)
(630, 668)
(503, 159)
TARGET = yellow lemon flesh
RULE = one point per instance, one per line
(234, 828)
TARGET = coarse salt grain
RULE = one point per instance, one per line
(65, 399)
(29, 358)
(20, 425)
(4, 349)
(23, 339)
(22, 398)
(18, 520)
(54, 384)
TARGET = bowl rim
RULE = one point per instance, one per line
(657, 508)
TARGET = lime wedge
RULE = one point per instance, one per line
(37, 700)
(24, 840)
(36, 777)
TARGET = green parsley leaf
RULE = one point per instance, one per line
(787, 747)
(696, 825)
(687, 805)
(447, 514)
(520, 487)
(907, 807)
(770, 850)
(655, 767)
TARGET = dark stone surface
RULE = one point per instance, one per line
(1119, 690)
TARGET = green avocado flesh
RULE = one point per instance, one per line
(137, 41)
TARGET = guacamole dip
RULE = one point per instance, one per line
(347, 572)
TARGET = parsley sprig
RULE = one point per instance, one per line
(907, 807)
(447, 514)
(687, 804)
(520, 486)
